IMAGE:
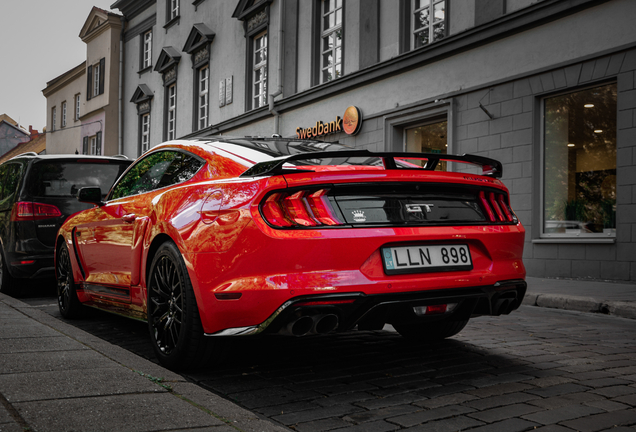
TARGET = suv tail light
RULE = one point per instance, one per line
(497, 207)
(303, 208)
(28, 211)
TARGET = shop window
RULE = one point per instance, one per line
(331, 40)
(429, 138)
(579, 163)
(428, 21)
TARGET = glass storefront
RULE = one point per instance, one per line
(580, 163)
(430, 138)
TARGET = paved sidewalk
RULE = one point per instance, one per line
(55, 377)
(611, 298)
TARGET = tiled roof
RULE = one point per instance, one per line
(36, 145)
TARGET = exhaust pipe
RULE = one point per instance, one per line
(502, 307)
(299, 327)
(325, 323)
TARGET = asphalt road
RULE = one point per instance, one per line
(537, 369)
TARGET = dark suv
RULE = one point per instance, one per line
(37, 194)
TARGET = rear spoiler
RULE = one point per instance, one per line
(490, 167)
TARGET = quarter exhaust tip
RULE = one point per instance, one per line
(325, 323)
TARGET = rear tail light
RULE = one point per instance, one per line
(496, 207)
(302, 208)
(28, 211)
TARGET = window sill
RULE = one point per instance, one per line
(172, 22)
(597, 240)
(144, 70)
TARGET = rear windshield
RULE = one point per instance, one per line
(65, 178)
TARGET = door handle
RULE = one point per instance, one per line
(129, 218)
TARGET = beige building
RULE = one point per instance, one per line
(82, 103)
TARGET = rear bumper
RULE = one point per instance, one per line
(373, 311)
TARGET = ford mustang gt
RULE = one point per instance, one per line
(218, 237)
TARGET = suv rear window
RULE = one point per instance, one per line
(65, 178)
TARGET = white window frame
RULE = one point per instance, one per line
(145, 132)
(147, 50)
(174, 9)
(171, 123)
(259, 98)
(64, 114)
(96, 72)
(417, 6)
(334, 50)
(203, 100)
(77, 106)
(53, 118)
(92, 142)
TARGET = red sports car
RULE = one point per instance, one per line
(227, 237)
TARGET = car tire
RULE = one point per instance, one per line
(67, 300)
(174, 323)
(431, 331)
(8, 284)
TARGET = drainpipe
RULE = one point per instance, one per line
(281, 55)
(120, 121)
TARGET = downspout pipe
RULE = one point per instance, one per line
(120, 121)
(281, 55)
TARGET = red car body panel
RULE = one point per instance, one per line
(229, 248)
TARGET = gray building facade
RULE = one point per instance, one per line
(545, 86)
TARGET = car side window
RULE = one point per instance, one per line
(10, 178)
(155, 171)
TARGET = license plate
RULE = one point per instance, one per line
(421, 259)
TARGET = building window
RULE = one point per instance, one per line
(579, 163)
(147, 50)
(173, 9)
(171, 109)
(95, 79)
(331, 40)
(92, 145)
(64, 114)
(53, 118)
(77, 106)
(428, 21)
(429, 138)
(204, 96)
(145, 132)
(259, 70)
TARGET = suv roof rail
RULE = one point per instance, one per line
(25, 154)
(121, 156)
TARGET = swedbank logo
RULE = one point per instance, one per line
(350, 123)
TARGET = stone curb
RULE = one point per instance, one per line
(622, 309)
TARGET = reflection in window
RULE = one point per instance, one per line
(431, 138)
(580, 162)
(331, 40)
(428, 21)
(155, 171)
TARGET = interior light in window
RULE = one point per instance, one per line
(589, 105)
(598, 130)
(570, 145)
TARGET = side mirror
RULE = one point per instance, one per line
(91, 195)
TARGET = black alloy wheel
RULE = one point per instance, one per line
(173, 316)
(67, 301)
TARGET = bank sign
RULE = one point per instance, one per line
(350, 123)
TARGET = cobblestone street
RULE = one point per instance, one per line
(536, 369)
